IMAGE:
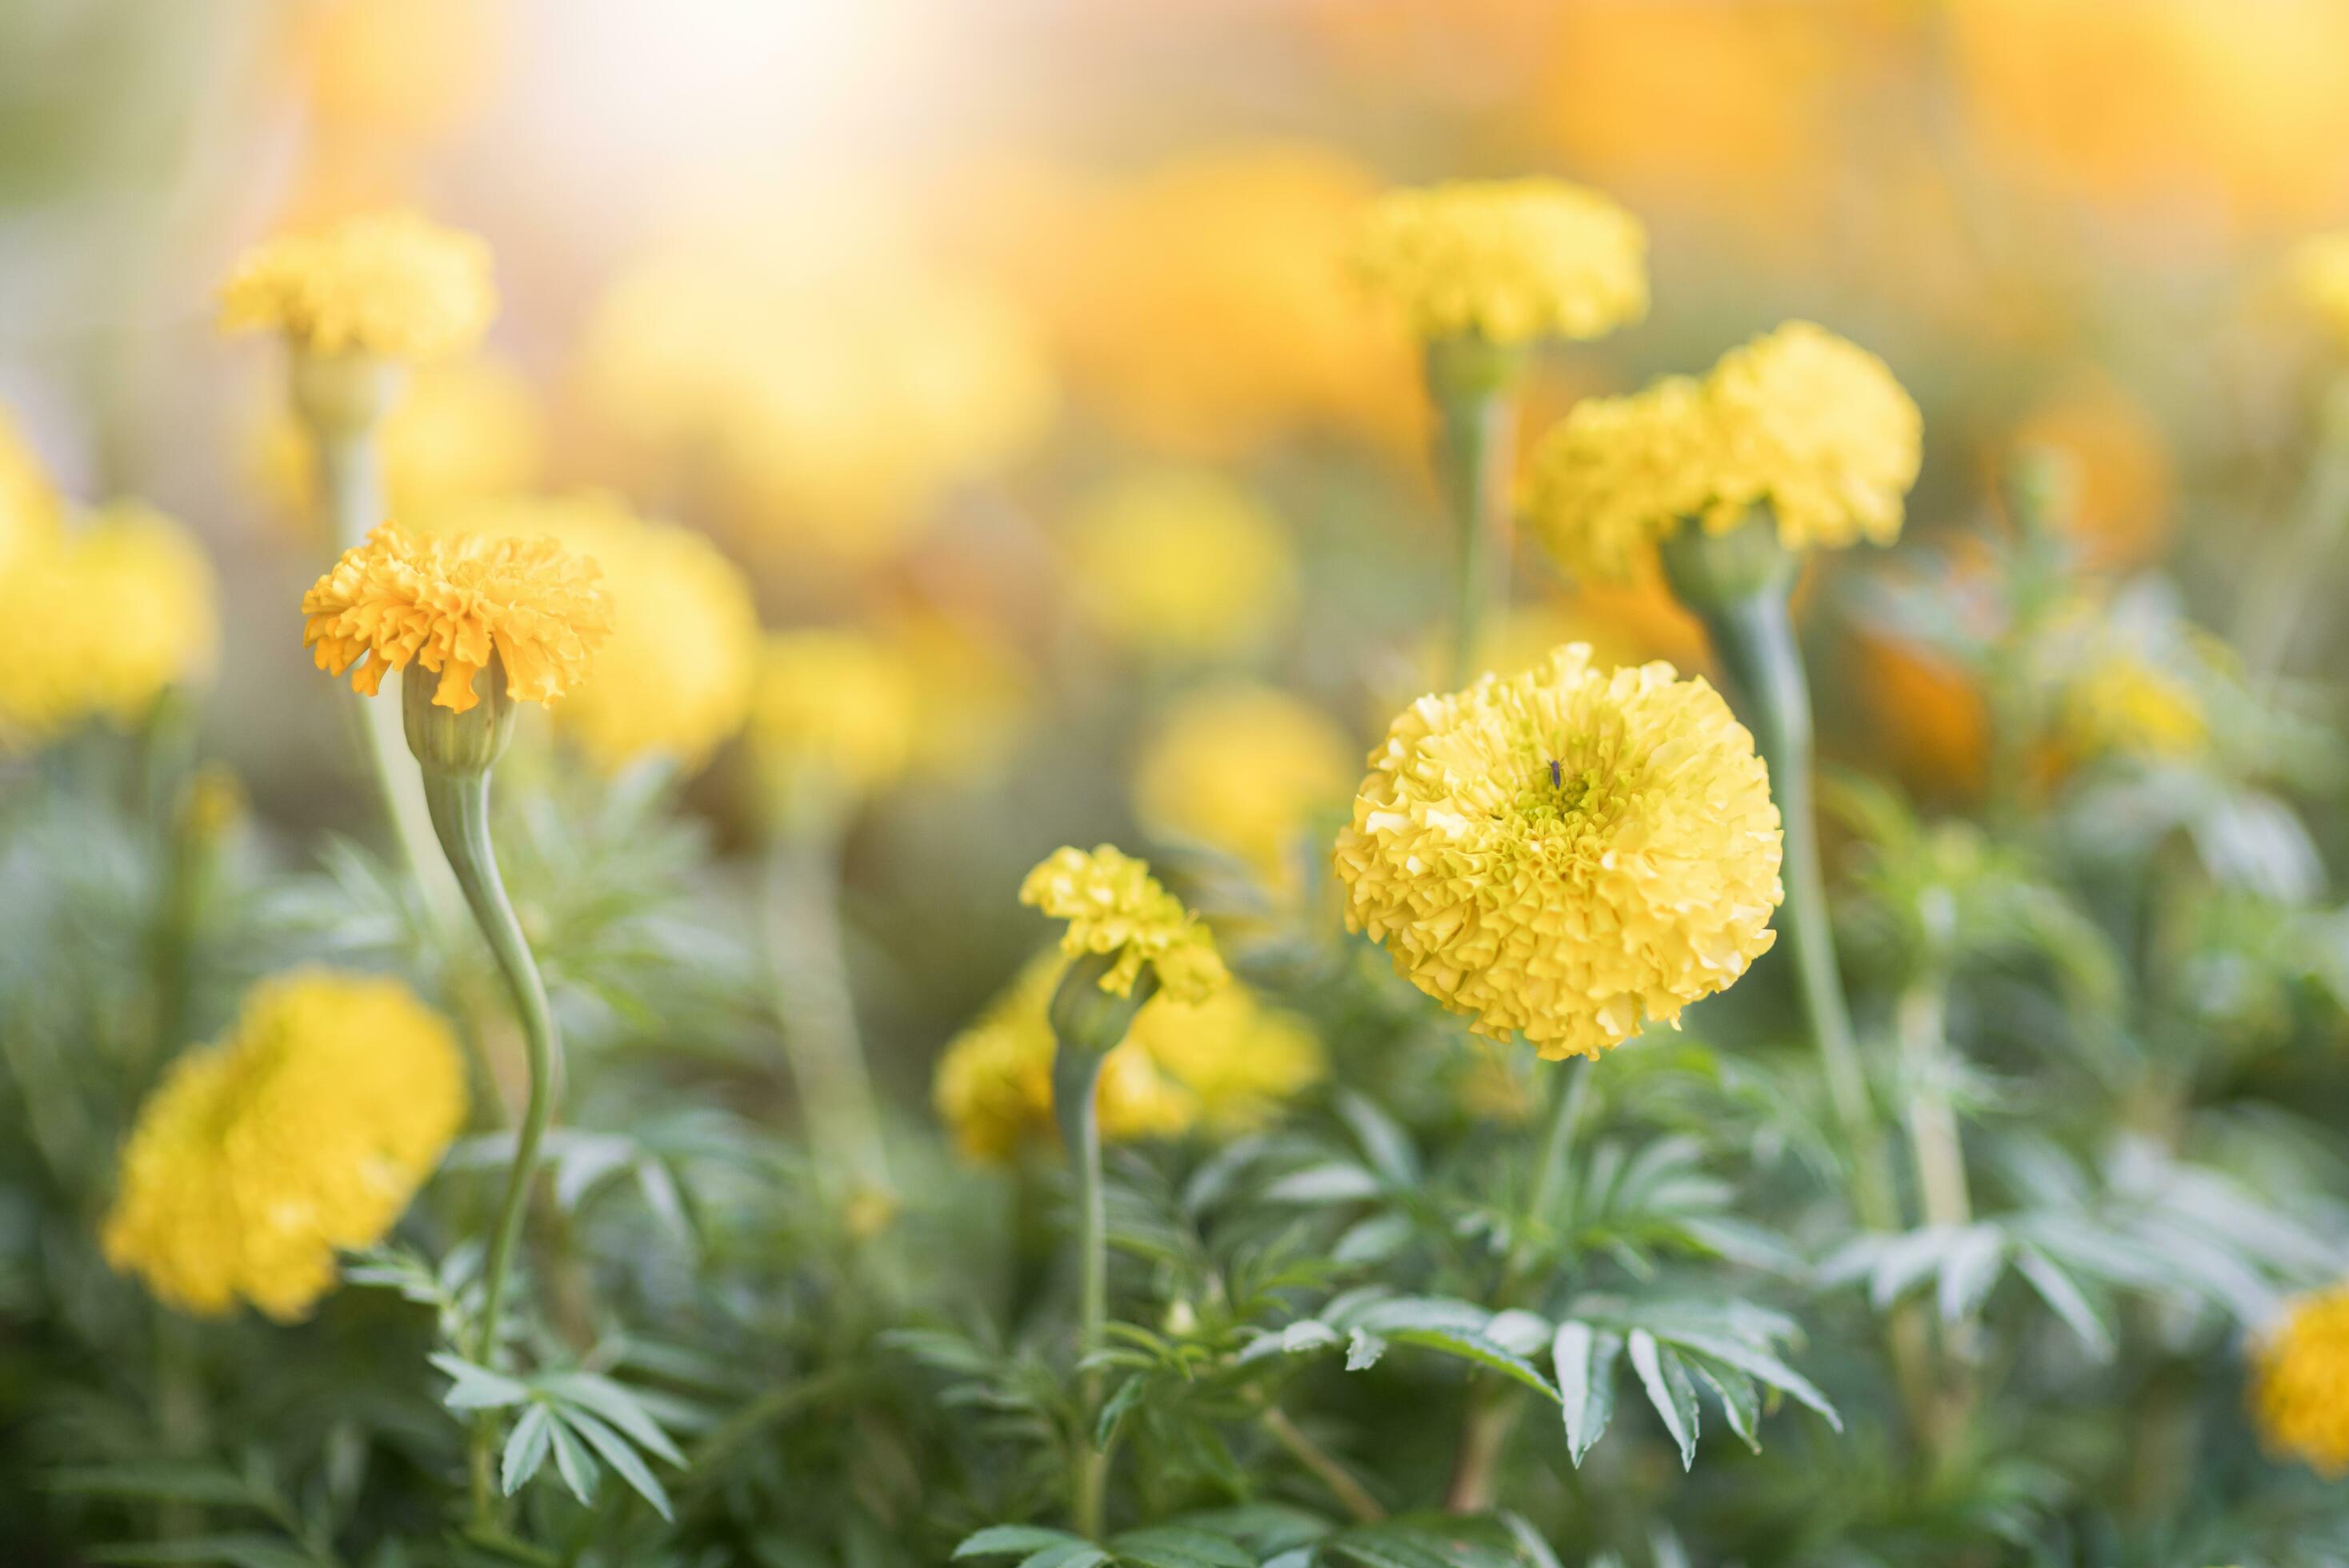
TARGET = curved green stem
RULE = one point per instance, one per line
(1753, 638)
(460, 807)
(1472, 385)
(350, 474)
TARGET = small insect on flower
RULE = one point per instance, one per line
(1557, 775)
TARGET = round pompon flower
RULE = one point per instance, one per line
(449, 605)
(674, 679)
(1567, 852)
(305, 1131)
(1114, 906)
(1815, 427)
(1180, 564)
(835, 713)
(2300, 1394)
(97, 620)
(1506, 261)
(1243, 769)
(1616, 474)
(391, 283)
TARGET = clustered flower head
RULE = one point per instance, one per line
(1242, 769)
(97, 619)
(674, 677)
(1114, 906)
(1506, 261)
(1799, 420)
(305, 1130)
(449, 605)
(2300, 1394)
(1180, 564)
(1223, 1064)
(390, 284)
(1567, 852)
(835, 712)
(2124, 705)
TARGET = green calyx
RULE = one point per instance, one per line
(343, 396)
(448, 742)
(1709, 571)
(1465, 369)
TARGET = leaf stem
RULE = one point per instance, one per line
(460, 807)
(1473, 384)
(1075, 1075)
(1350, 1492)
(817, 1010)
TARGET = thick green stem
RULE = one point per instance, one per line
(350, 479)
(1737, 583)
(460, 806)
(817, 1009)
(1492, 1413)
(1472, 385)
(1932, 1120)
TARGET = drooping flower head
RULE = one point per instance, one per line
(305, 1130)
(390, 284)
(1180, 564)
(449, 604)
(1114, 906)
(97, 620)
(1506, 261)
(1567, 852)
(674, 677)
(1223, 1064)
(835, 712)
(1799, 421)
(1242, 769)
(2300, 1392)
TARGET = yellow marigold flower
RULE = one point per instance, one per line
(1565, 852)
(1815, 427)
(974, 693)
(2317, 271)
(466, 429)
(1616, 474)
(1238, 1059)
(390, 284)
(1181, 564)
(2300, 1393)
(97, 621)
(674, 677)
(451, 605)
(1114, 906)
(1508, 260)
(1798, 421)
(305, 1130)
(2125, 705)
(834, 711)
(1242, 769)
(993, 1086)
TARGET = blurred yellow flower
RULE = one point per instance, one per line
(2119, 517)
(97, 621)
(1507, 261)
(390, 284)
(1565, 852)
(1202, 304)
(2124, 705)
(1242, 769)
(1180, 564)
(973, 696)
(305, 1130)
(831, 391)
(1799, 420)
(2317, 272)
(451, 606)
(464, 429)
(674, 677)
(2300, 1392)
(834, 715)
(401, 71)
(1929, 714)
(993, 1086)
(1114, 906)
(1237, 1059)
(1223, 1064)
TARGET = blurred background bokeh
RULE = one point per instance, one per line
(1019, 336)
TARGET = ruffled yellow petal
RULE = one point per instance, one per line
(1114, 906)
(390, 284)
(1506, 261)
